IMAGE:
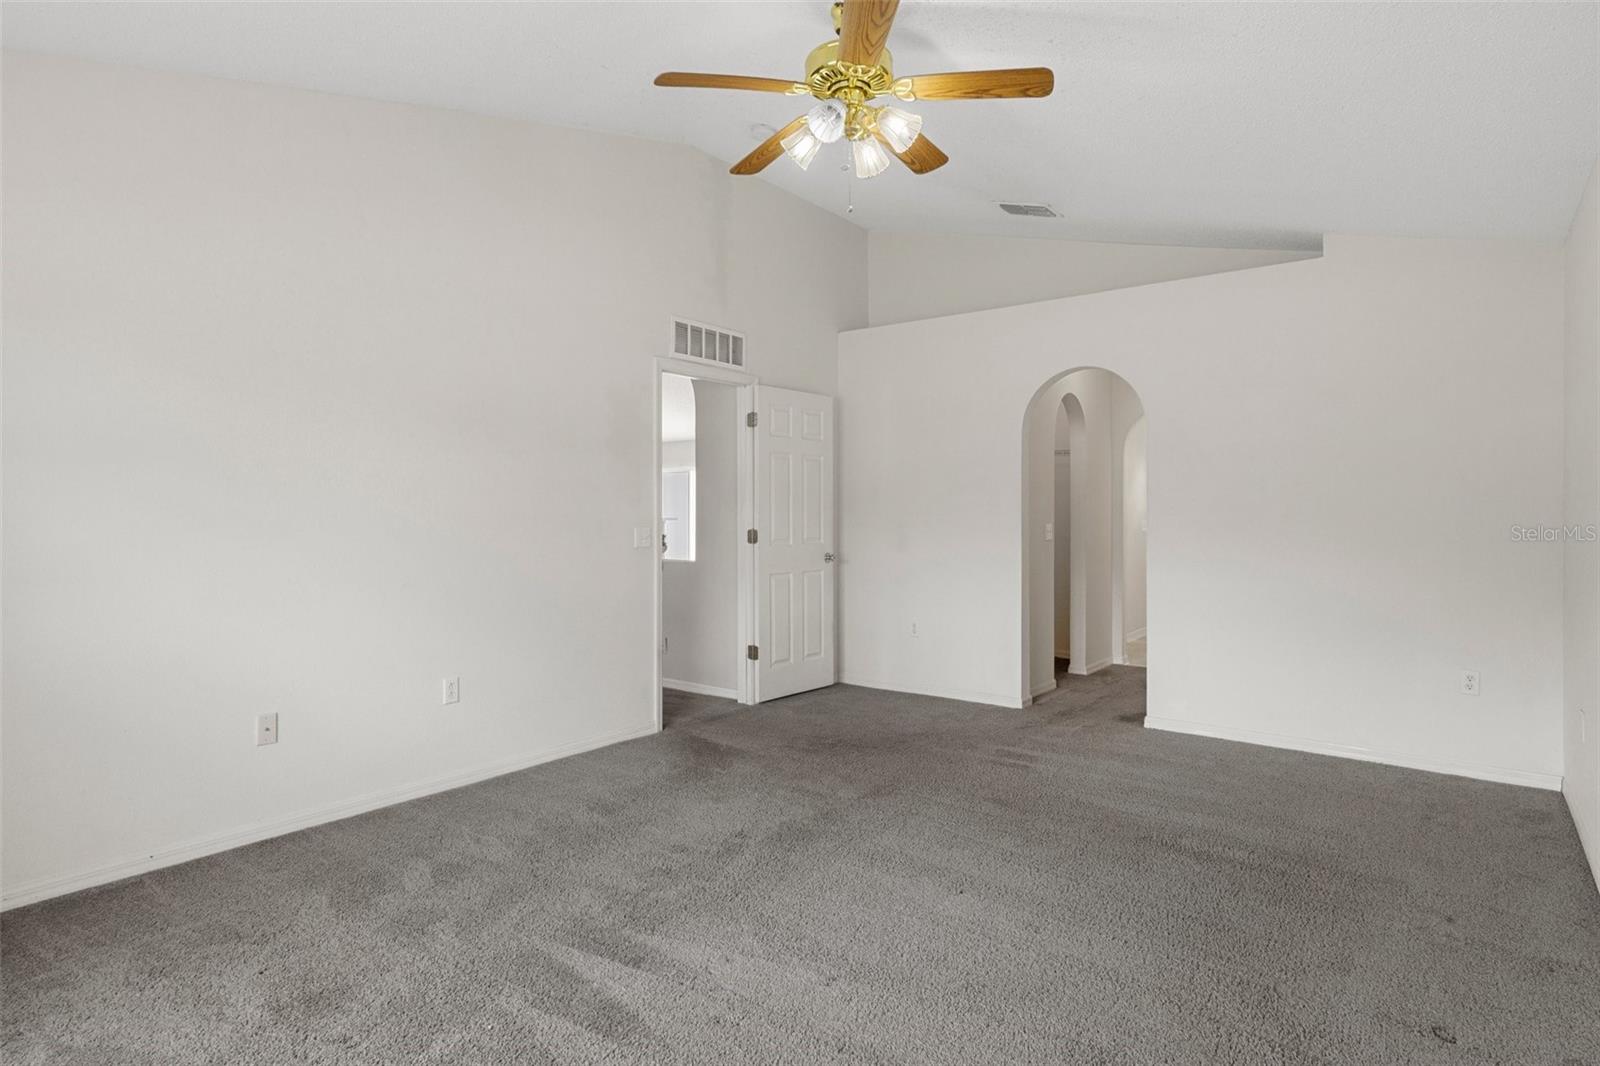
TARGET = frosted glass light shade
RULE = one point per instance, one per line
(871, 159)
(827, 121)
(802, 146)
(899, 127)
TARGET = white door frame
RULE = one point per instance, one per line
(745, 516)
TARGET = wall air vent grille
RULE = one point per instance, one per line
(696, 340)
(1030, 210)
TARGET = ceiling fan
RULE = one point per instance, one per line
(847, 73)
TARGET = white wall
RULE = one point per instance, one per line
(1329, 520)
(1133, 531)
(677, 455)
(1126, 412)
(923, 275)
(1063, 534)
(1582, 512)
(280, 435)
(700, 599)
(677, 470)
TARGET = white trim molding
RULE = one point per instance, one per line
(1591, 847)
(1502, 775)
(1093, 667)
(698, 689)
(50, 887)
(1043, 687)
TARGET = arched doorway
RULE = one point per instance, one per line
(1084, 507)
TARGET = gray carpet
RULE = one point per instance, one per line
(856, 876)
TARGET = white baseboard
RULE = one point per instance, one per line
(1588, 835)
(1529, 778)
(1043, 687)
(1134, 634)
(699, 689)
(1091, 668)
(50, 887)
(1063, 654)
(964, 695)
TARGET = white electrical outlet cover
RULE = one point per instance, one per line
(266, 729)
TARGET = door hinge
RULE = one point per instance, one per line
(751, 420)
(751, 536)
(752, 652)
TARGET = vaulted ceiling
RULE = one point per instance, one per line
(1186, 123)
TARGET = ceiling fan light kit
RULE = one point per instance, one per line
(827, 120)
(899, 128)
(846, 74)
(802, 146)
(870, 158)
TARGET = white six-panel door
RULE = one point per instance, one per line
(794, 593)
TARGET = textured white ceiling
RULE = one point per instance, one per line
(1251, 124)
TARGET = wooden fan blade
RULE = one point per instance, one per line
(864, 29)
(678, 80)
(978, 84)
(921, 157)
(766, 151)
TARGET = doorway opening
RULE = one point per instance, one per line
(699, 545)
(703, 494)
(744, 584)
(1085, 528)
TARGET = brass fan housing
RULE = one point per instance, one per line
(826, 77)
(829, 79)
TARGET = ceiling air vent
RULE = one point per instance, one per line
(1030, 210)
(696, 340)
